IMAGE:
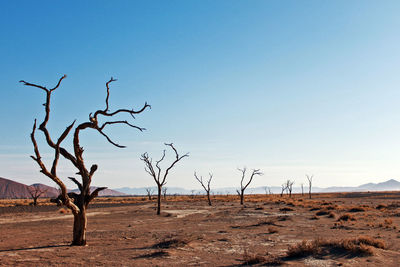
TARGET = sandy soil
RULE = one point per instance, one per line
(190, 233)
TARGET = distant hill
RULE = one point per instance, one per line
(10, 189)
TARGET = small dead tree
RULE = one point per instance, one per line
(150, 192)
(266, 190)
(78, 204)
(309, 178)
(244, 186)
(206, 187)
(302, 189)
(289, 187)
(283, 188)
(164, 191)
(35, 192)
(158, 178)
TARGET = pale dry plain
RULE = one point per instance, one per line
(127, 232)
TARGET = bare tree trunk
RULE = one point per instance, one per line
(159, 200)
(209, 199)
(242, 197)
(79, 232)
(35, 201)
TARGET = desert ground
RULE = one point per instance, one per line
(347, 229)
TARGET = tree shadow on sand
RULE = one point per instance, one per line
(34, 248)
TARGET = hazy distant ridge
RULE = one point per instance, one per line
(12, 189)
(390, 185)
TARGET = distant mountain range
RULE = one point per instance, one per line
(11, 189)
(390, 185)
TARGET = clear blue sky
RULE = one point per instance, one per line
(290, 87)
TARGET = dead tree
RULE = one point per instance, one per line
(266, 190)
(150, 192)
(284, 187)
(164, 191)
(244, 186)
(35, 192)
(206, 187)
(289, 187)
(80, 202)
(158, 178)
(309, 178)
(302, 189)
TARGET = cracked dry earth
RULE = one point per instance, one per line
(190, 233)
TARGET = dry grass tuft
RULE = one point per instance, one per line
(361, 246)
(381, 206)
(286, 209)
(252, 259)
(322, 212)
(64, 211)
(347, 217)
(170, 243)
(272, 230)
(284, 218)
(357, 209)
